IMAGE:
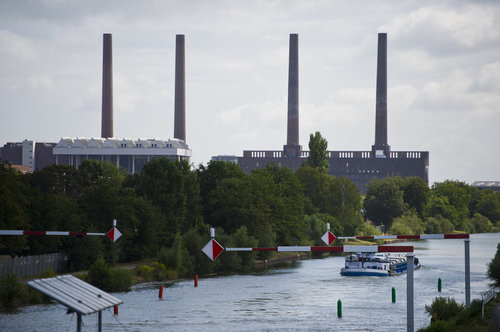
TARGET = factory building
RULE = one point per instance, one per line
(359, 166)
(128, 154)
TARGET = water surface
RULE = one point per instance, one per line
(302, 296)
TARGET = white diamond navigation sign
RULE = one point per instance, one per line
(213, 249)
(328, 237)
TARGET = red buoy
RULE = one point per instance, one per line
(195, 280)
(116, 310)
(160, 293)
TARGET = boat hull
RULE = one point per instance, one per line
(364, 272)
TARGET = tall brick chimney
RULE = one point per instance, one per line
(180, 90)
(292, 147)
(107, 87)
(381, 148)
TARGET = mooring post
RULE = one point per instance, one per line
(99, 322)
(409, 292)
(467, 271)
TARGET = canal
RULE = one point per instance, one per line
(299, 296)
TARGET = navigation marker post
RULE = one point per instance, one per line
(328, 237)
(212, 249)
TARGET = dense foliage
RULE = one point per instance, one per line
(407, 205)
(166, 210)
(448, 315)
(494, 267)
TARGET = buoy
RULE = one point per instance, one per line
(115, 310)
(160, 292)
(195, 280)
(439, 284)
(393, 295)
(339, 308)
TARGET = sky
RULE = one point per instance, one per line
(443, 74)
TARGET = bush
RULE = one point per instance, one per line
(481, 224)
(367, 229)
(444, 308)
(494, 267)
(407, 224)
(438, 225)
(10, 292)
(14, 294)
(177, 257)
(447, 315)
(121, 280)
(110, 280)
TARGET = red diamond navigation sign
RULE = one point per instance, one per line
(213, 249)
(328, 238)
(114, 234)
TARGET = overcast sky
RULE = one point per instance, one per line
(443, 74)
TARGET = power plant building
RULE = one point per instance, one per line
(359, 166)
(127, 154)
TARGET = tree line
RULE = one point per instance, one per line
(165, 211)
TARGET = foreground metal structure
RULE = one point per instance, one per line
(77, 295)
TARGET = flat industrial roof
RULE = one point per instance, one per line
(75, 294)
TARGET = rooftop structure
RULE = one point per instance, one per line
(493, 185)
(128, 154)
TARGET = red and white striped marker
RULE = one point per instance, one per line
(213, 249)
(407, 237)
(18, 232)
(334, 248)
(328, 237)
(114, 234)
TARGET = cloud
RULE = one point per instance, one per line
(40, 82)
(489, 78)
(446, 29)
(14, 47)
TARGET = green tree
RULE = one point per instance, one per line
(458, 195)
(231, 204)
(318, 153)
(58, 179)
(438, 225)
(14, 206)
(316, 188)
(172, 187)
(287, 204)
(481, 224)
(489, 206)
(416, 194)
(383, 202)
(494, 267)
(178, 258)
(209, 177)
(407, 224)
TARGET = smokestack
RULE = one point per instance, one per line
(381, 99)
(107, 87)
(292, 147)
(293, 91)
(180, 90)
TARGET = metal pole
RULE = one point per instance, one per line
(409, 293)
(467, 271)
(78, 322)
(99, 325)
